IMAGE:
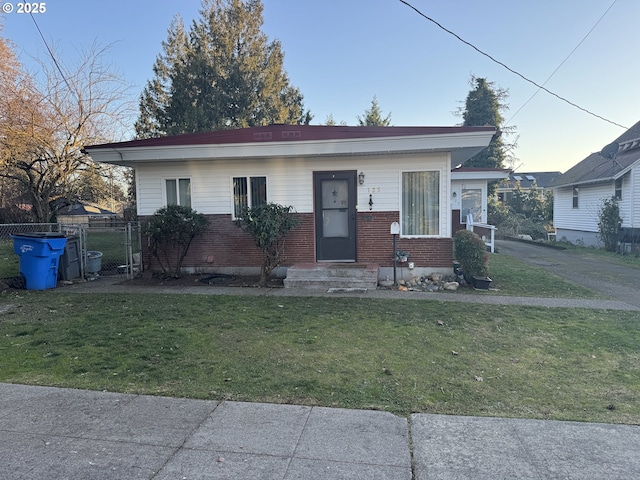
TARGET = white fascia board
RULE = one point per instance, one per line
(470, 142)
(622, 173)
(479, 175)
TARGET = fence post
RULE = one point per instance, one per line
(129, 252)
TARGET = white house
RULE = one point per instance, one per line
(579, 193)
(347, 185)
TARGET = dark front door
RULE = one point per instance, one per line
(335, 215)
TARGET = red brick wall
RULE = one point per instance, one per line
(375, 243)
(225, 245)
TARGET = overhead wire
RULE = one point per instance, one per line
(51, 54)
(515, 72)
(563, 61)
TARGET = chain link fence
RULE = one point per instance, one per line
(92, 250)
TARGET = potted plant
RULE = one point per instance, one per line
(471, 252)
(402, 256)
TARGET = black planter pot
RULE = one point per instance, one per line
(481, 283)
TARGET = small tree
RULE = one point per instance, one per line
(268, 224)
(373, 116)
(471, 252)
(171, 231)
(609, 223)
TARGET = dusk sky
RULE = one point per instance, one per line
(340, 53)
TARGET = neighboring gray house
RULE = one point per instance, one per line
(580, 191)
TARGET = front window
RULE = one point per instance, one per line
(420, 203)
(576, 191)
(178, 191)
(618, 189)
(248, 192)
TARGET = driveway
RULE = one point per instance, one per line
(601, 274)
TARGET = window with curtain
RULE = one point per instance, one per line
(248, 192)
(178, 191)
(420, 203)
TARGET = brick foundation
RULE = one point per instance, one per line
(224, 246)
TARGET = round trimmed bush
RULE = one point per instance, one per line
(471, 252)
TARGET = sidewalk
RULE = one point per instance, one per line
(112, 285)
(73, 434)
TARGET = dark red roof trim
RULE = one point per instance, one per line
(279, 133)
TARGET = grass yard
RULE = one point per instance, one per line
(401, 356)
(512, 276)
(9, 261)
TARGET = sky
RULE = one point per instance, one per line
(342, 53)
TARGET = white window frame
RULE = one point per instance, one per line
(575, 197)
(249, 199)
(441, 203)
(176, 179)
(617, 188)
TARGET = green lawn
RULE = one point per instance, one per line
(9, 261)
(512, 276)
(395, 355)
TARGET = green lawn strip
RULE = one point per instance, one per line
(569, 364)
(9, 261)
(512, 276)
(631, 259)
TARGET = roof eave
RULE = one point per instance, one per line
(462, 145)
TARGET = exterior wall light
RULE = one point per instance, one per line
(361, 178)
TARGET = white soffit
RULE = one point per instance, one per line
(465, 144)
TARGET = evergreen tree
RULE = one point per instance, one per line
(223, 73)
(156, 94)
(373, 116)
(331, 122)
(484, 106)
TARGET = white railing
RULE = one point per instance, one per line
(492, 230)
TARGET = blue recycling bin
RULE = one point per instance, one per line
(39, 257)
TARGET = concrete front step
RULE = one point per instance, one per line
(332, 275)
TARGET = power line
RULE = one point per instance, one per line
(55, 61)
(563, 61)
(540, 87)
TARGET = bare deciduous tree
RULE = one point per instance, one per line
(46, 124)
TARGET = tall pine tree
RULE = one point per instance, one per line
(484, 106)
(157, 93)
(223, 73)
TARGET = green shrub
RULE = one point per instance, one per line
(518, 224)
(471, 252)
(609, 223)
(171, 230)
(268, 224)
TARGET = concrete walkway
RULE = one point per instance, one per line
(57, 433)
(114, 285)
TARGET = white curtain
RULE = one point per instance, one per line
(420, 203)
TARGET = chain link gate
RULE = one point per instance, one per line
(109, 250)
